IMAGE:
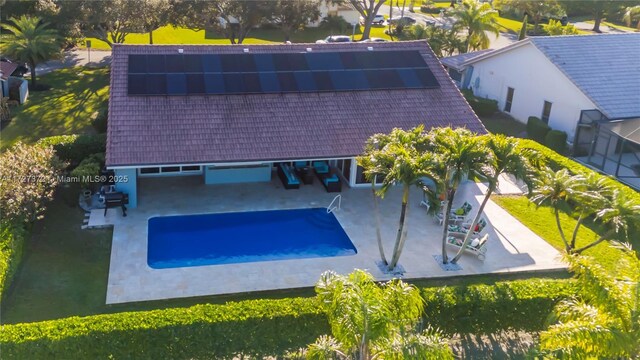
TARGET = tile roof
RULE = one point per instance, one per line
(457, 61)
(149, 130)
(7, 68)
(605, 67)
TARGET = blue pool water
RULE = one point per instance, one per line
(194, 240)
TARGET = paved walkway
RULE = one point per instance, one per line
(76, 58)
(512, 247)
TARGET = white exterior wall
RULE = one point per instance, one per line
(351, 15)
(534, 80)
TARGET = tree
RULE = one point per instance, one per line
(31, 41)
(603, 321)
(154, 14)
(292, 16)
(523, 29)
(476, 19)
(460, 156)
(398, 158)
(592, 198)
(112, 20)
(231, 18)
(371, 321)
(29, 178)
(599, 9)
(368, 9)
(631, 14)
(536, 10)
(505, 157)
(443, 42)
(556, 28)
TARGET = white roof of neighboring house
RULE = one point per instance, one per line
(605, 67)
(458, 62)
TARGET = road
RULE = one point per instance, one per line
(496, 43)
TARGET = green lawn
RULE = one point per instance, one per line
(509, 26)
(76, 97)
(542, 222)
(613, 26)
(502, 123)
(170, 35)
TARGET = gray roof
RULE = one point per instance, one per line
(457, 61)
(605, 67)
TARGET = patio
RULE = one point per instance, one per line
(511, 248)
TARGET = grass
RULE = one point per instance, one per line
(502, 123)
(76, 97)
(176, 35)
(613, 26)
(542, 222)
(509, 26)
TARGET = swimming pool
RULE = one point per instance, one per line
(210, 239)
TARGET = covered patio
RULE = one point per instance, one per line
(511, 248)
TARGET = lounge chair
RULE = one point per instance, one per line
(477, 246)
(332, 183)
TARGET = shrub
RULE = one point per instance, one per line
(75, 148)
(558, 162)
(88, 169)
(537, 129)
(261, 328)
(482, 107)
(29, 178)
(556, 140)
(12, 236)
(485, 309)
(429, 9)
(255, 328)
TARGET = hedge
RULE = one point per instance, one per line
(261, 328)
(75, 148)
(556, 140)
(482, 107)
(537, 129)
(255, 328)
(12, 238)
(558, 162)
(486, 309)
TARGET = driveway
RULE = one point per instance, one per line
(76, 57)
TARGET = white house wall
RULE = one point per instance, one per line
(534, 80)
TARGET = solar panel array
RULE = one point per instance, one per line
(180, 74)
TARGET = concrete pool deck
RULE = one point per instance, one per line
(512, 247)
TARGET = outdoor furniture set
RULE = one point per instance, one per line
(300, 172)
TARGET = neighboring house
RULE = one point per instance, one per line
(231, 114)
(346, 10)
(580, 84)
(9, 82)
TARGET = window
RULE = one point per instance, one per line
(154, 170)
(507, 104)
(171, 170)
(546, 111)
(190, 168)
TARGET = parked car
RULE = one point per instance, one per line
(405, 20)
(378, 19)
(375, 39)
(335, 39)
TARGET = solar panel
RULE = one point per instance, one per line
(184, 74)
(156, 64)
(175, 63)
(195, 84)
(137, 64)
(176, 84)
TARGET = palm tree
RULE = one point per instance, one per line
(30, 42)
(398, 159)
(632, 13)
(460, 155)
(505, 157)
(603, 322)
(592, 198)
(371, 321)
(477, 19)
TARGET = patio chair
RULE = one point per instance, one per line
(455, 216)
(481, 225)
(477, 246)
(288, 177)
